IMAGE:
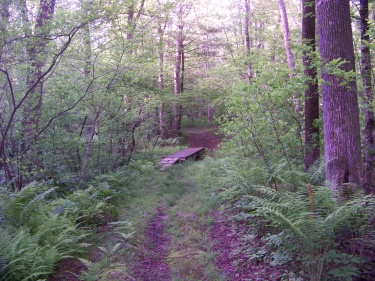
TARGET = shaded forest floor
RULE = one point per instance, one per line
(176, 235)
(203, 137)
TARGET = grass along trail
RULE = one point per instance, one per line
(172, 223)
(173, 231)
(172, 240)
(151, 254)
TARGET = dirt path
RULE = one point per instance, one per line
(184, 256)
(193, 251)
(152, 253)
(203, 137)
(236, 267)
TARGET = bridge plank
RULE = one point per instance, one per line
(185, 152)
(193, 153)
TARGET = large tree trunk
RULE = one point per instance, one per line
(247, 39)
(312, 150)
(366, 72)
(340, 105)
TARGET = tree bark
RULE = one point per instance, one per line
(210, 113)
(247, 39)
(161, 30)
(312, 149)
(36, 52)
(284, 19)
(182, 79)
(88, 147)
(5, 15)
(366, 73)
(86, 39)
(177, 73)
(340, 104)
(291, 64)
(131, 22)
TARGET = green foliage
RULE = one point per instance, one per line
(33, 239)
(306, 226)
(40, 229)
(94, 270)
(344, 265)
(261, 119)
(83, 206)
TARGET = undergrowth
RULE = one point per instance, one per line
(43, 224)
(191, 255)
(297, 221)
(33, 237)
(300, 223)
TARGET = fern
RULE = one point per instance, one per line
(316, 173)
(92, 272)
(94, 269)
(306, 220)
(33, 238)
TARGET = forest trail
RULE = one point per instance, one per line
(203, 137)
(180, 242)
(152, 253)
(178, 235)
(171, 248)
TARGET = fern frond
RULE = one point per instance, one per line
(347, 211)
(316, 173)
(92, 272)
(287, 221)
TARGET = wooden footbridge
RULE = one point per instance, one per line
(194, 153)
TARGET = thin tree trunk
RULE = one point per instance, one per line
(210, 113)
(291, 64)
(5, 15)
(284, 19)
(247, 39)
(86, 38)
(312, 149)
(366, 72)
(135, 125)
(340, 104)
(161, 78)
(36, 51)
(177, 74)
(88, 147)
(131, 22)
(33, 106)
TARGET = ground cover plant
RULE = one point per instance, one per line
(34, 237)
(43, 225)
(301, 225)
